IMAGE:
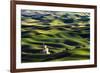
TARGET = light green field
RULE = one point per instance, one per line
(66, 34)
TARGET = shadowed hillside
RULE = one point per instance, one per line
(66, 35)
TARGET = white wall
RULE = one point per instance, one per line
(5, 35)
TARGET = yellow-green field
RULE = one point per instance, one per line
(66, 34)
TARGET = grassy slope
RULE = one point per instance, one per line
(66, 41)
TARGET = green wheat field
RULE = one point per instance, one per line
(54, 36)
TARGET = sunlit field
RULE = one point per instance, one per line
(54, 36)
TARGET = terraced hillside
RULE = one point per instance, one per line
(66, 35)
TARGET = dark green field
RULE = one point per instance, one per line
(66, 35)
